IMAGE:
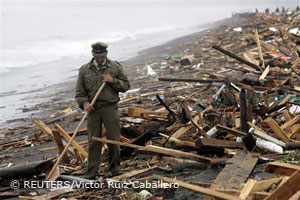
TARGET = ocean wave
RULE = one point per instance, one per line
(58, 47)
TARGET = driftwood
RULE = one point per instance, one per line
(190, 80)
(236, 57)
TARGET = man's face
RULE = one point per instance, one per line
(100, 60)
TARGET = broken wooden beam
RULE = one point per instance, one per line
(190, 80)
(279, 133)
(230, 131)
(287, 189)
(290, 122)
(166, 151)
(41, 125)
(181, 166)
(186, 145)
(189, 116)
(286, 99)
(172, 113)
(247, 189)
(60, 146)
(263, 185)
(243, 111)
(236, 57)
(142, 113)
(185, 129)
(236, 171)
(133, 173)
(210, 142)
(261, 134)
(180, 163)
(178, 153)
(295, 64)
(74, 143)
(281, 168)
(191, 145)
(259, 50)
(248, 139)
(292, 145)
(275, 107)
(264, 74)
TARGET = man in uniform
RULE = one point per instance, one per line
(91, 76)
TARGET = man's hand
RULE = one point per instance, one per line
(108, 78)
(88, 107)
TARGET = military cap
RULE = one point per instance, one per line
(99, 49)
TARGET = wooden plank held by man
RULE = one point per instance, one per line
(49, 177)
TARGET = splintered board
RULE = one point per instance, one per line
(236, 171)
(281, 168)
(287, 189)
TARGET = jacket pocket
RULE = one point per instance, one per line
(90, 82)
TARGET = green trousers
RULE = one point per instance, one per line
(110, 117)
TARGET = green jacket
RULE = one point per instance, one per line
(90, 79)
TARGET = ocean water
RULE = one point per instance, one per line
(45, 42)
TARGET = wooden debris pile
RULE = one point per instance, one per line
(229, 98)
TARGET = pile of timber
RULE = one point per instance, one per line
(232, 103)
